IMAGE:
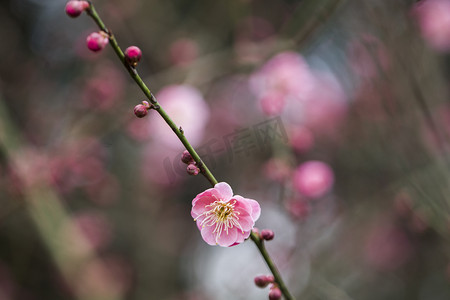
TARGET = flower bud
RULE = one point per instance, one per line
(186, 157)
(267, 234)
(263, 280)
(74, 8)
(192, 169)
(96, 41)
(274, 294)
(133, 55)
(140, 110)
(146, 104)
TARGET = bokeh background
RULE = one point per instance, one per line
(333, 114)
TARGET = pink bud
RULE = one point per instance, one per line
(274, 294)
(96, 41)
(140, 110)
(146, 104)
(267, 234)
(133, 55)
(263, 280)
(192, 169)
(75, 8)
(186, 157)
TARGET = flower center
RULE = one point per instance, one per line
(222, 215)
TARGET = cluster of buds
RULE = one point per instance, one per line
(192, 168)
(96, 41)
(74, 8)
(264, 280)
(141, 110)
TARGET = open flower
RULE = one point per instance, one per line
(224, 219)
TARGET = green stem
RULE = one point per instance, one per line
(134, 74)
(180, 134)
(273, 268)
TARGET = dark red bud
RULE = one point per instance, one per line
(186, 157)
(192, 169)
(267, 234)
(274, 294)
(140, 110)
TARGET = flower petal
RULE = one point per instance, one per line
(208, 192)
(242, 237)
(225, 191)
(228, 239)
(200, 204)
(256, 209)
(252, 206)
(208, 236)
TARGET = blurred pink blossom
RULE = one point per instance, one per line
(183, 51)
(298, 208)
(77, 165)
(224, 219)
(387, 246)
(95, 228)
(277, 169)
(301, 138)
(313, 179)
(104, 89)
(286, 86)
(433, 17)
(272, 103)
(325, 107)
(138, 130)
(187, 108)
(286, 75)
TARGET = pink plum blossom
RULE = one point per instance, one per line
(224, 219)
(313, 179)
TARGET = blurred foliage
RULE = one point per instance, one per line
(95, 204)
